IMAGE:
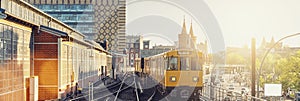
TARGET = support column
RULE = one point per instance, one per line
(253, 55)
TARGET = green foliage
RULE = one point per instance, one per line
(282, 70)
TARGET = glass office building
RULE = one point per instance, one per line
(77, 16)
(98, 19)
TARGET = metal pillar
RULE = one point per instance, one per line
(92, 92)
(253, 55)
(89, 91)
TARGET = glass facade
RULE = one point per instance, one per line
(98, 20)
(66, 7)
(77, 16)
(73, 17)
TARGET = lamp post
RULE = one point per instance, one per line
(264, 57)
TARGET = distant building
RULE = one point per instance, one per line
(163, 47)
(203, 47)
(134, 45)
(156, 50)
(278, 48)
(146, 44)
(187, 41)
(267, 45)
(176, 43)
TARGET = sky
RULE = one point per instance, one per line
(238, 20)
(242, 19)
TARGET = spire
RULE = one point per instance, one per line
(272, 40)
(183, 27)
(191, 29)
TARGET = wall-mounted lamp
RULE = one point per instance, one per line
(2, 14)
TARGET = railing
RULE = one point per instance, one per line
(218, 93)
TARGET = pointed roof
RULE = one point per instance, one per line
(191, 30)
(183, 28)
(272, 40)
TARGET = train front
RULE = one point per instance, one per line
(184, 75)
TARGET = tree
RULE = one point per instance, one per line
(282, 70)
(234, 58)
(289, 71)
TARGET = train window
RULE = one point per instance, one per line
(196, 64)
(185, 63)
(172, 63)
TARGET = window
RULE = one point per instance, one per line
(74, 17)
(61, 7)
(1, 49)
(185, 63)
(1, 31)
(67, 6)
(54, 7)
(136, 45)
(46, 7)
(40, 6)
(172, 65)
(72, 7)
(82, 7)
(128, 45)
(195, 64)
(136, 55)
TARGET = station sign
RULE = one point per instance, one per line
(273, 89)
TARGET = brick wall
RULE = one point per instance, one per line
(46, 64)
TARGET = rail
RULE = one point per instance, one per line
(111, 86)
(114, 93)
(150, 98)
(136, 91)
(140, 87)
(120, 88)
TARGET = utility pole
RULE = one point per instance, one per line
(253, 55)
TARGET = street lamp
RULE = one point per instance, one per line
(264, 57)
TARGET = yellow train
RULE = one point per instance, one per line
(179, 72)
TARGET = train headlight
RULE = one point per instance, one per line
(173, 79)
(195, 79)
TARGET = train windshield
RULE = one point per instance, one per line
(185, 63)
(189, 63)
(196, 65)
(172, 63)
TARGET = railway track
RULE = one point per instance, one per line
(129, 89)
(106, 90)
(136, 92)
